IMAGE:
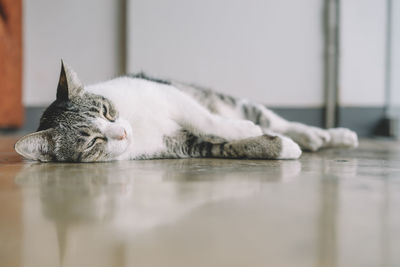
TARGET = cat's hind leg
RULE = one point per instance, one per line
(186, 144)
(342, 137)
(313, 138)
(308, 137)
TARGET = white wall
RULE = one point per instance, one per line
(362, 65)
(266, 50)
(87, 34)
(269, 51)
(395, 77)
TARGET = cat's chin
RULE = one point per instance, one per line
(117, 149)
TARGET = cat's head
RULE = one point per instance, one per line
(77, 127)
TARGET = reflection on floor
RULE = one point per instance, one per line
(332, 208)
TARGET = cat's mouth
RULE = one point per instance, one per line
(121, 144)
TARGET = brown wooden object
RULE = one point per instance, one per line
(11, 109)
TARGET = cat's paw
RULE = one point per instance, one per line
(289, 149)
(342, 137)
(309, 138)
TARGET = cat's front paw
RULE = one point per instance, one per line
(289, 149)
(342, 137)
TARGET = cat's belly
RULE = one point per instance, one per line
(148, 113)
(148, 139)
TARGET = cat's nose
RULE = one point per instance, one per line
(118, 133)
(121, 136)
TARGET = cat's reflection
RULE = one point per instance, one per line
(129, 197)
(93, 192)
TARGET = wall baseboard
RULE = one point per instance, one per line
(363, 120)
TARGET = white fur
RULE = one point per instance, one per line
(342, 137)
(290, 150)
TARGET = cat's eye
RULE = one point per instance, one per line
(107, 115)
(94, 141)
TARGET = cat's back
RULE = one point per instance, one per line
(123, 87)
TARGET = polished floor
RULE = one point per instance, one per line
(332, 208)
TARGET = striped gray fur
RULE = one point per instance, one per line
(185, 144)
(70, 128)
(144, 76)
(66, 123)
(212, 100)
(254, 112)
(205, 96)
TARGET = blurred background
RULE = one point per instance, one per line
(323, 62)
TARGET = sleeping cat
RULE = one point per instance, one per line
(137, 117)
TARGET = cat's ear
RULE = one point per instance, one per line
(35, 146)
(69, 84)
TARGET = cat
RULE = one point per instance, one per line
(139, 117)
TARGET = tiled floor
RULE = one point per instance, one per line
(332, 208)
